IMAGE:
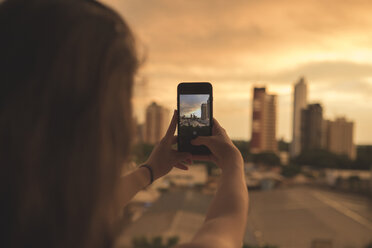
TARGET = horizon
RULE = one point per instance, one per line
(235, 47)
(191, 103)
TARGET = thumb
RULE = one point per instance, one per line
(180, 156)
(202, 140)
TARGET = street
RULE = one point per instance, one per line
(295, 217)
(285, 217)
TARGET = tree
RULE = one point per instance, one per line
(323, 159)
(156, 242)
(290, 170)
(243, 147)
(266, 158)
(283, 145)
(364, 158)
(141, 151)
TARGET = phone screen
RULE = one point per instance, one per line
(194, 120)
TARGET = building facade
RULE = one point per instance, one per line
(263, 122)
(204, 111)
(156, 123)
(312, 127)
(299, 103)
(340, 137)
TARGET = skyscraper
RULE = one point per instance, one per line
(270, 122)
(263, 122)
(209, 108)
(157, 118)
(312, 127)
(299, 103)
(204, 111)
(340, 137)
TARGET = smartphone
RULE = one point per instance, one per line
(195, 115)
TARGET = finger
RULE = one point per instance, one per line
(172, 126)
(180, 156)
(188, 161)
(181, 166)
(202, 140)
(217, 128)
(203, 157)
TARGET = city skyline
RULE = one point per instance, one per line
(191, 104)
(242, 48)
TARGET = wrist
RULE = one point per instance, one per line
(156, 170)
(233, 161)
(147, 174)
(233, 170)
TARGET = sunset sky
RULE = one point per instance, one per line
(191, 104)
(239, 44)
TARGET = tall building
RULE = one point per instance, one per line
(156, 123)
(312, 127)
(209, 108)
(299, 103)
(340, 137)
(204, 111)
(263, 122)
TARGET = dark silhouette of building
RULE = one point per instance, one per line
(208, 108)
(312, 127)
(204, 111)
(299, 103)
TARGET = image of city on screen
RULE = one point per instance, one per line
(194, 110)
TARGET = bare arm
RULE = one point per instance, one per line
(130, 184)
(226, 218)
(227, 215)
(162, 159)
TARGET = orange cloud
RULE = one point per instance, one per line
(237, 44)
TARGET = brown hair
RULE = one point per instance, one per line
(66, 72)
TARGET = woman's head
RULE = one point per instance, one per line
(66, 73)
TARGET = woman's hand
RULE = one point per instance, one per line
(226, 219)
(163, 157)
(224, 152)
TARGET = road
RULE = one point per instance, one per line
(286, 217)
(295, 217)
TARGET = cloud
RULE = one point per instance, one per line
(219, 32)
(191, 103)
(330, 71)
(334, 75)
(238, 44)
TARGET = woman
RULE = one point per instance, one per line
(66, 71)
